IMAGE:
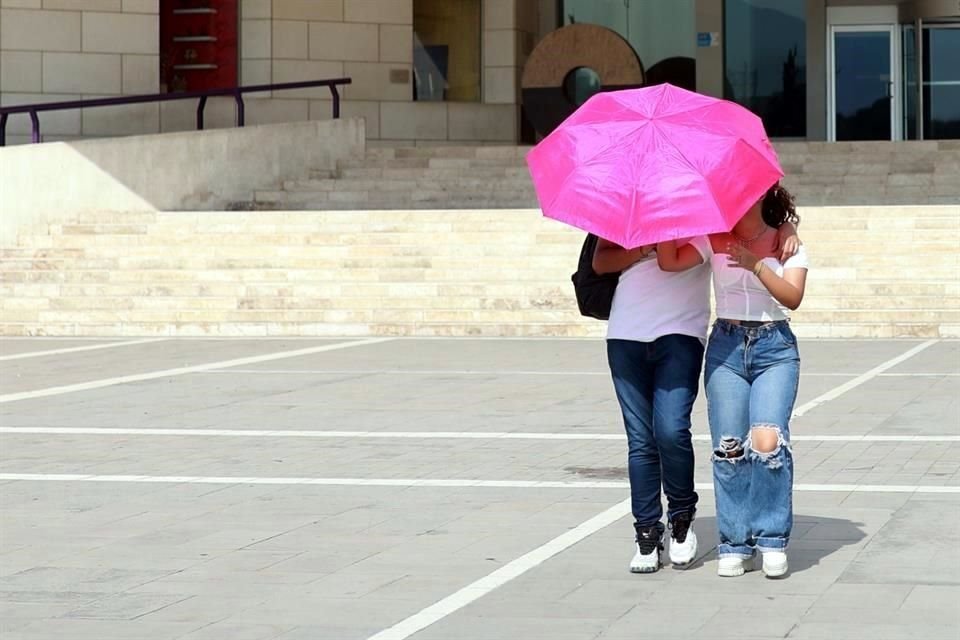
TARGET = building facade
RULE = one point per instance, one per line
(467, 71)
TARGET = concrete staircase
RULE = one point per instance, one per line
(877, 272)
(494, 177)
(819, 173)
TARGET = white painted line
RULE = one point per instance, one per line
(872, 438)
(350, 482)
(500, 372)
(425, 435)
(876, 488)
(438, 482)
(179, 371)
(918, 375)
(92, 347)
(513, 569)
(414, 372)
(861, 379)
(454, 372)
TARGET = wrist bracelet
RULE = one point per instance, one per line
(757, 268)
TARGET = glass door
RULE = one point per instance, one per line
(941, 81)
(864, 83)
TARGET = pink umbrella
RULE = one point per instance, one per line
(660, 163)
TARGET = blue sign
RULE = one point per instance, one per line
(708, 39)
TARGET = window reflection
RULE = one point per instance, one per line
(862, 93)
(765, 60)
(941, 83)
(909, 48)
(446, 50)
(662, 32)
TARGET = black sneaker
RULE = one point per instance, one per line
(649, 546)
(683, 541)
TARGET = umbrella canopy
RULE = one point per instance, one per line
(660, 163)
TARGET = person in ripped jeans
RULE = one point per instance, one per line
(751, 375)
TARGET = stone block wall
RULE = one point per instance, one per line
(66, 49)
(52, 50)
(371, 41)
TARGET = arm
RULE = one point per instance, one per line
(671, 258)
(610, 257)
(787, 290)
(787, 241)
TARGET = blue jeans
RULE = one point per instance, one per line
(656, 384)
(751, 378)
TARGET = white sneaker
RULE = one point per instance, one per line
(774, 563)
(733, 566)
(649, 545)
(683, 541)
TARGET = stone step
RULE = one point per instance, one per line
(860, 330)
(120, 297)
(484, 151)
(877, 271)
(377, 313)
(935, 237)
(519, 183)
(824, 213)
(349, 201)
(585, 328)
(817, 301)
(436, 173)
(423, 162)
(849, 295)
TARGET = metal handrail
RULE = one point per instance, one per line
(236, 92)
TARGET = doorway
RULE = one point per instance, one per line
(863, 82)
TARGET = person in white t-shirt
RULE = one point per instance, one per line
(751, 375)
(655, 342)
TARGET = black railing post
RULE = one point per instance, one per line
(336, 101)
(3, 129)
(238, 96)
(200, 107)
(34, 126)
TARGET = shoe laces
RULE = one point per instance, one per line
(679, 527)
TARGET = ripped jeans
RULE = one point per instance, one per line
(751, 377)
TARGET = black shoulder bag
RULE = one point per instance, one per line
(594, 291)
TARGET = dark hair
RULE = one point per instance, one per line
(779, 207)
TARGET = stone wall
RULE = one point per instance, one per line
(52, 50)
(371, 41)
(66, 49)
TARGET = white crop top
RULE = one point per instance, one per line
(741, 296)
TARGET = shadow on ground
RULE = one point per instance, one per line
(813, 539)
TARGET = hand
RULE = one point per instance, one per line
(787, 242)
(788, 246)
(741, 257)
(642, 253)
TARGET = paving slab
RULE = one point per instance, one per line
(231, 559)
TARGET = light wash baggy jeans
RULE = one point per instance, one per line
(751, 377)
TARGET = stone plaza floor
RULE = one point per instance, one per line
(444, 489)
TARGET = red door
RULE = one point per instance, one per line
(198, 44)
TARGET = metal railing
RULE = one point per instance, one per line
(236, 92)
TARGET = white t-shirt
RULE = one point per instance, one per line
(650, 303)
(741, 296)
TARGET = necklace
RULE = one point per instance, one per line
(748, 241)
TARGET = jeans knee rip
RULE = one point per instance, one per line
(730, 450)
(773, 458)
